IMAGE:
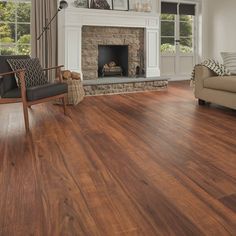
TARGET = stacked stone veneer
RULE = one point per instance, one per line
(92, 36)
(105, 89)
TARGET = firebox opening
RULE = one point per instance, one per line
(112, 60)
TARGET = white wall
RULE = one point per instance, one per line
(219, 27)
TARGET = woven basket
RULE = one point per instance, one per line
(75, 92)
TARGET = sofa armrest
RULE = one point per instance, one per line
(201, 73)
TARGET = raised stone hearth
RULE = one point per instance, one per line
(123, 85)
(94, 36)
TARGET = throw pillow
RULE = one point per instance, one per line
(216, 67)
(34, 75)
(229, 59)
(213, 65)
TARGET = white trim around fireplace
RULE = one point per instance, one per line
(72, 20)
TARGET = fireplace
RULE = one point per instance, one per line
(112, 60)
(81, 30)
(122, 45)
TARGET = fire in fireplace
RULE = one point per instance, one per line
(112, 60)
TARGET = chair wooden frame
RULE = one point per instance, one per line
(23, 99)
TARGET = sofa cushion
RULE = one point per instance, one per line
(39, 92)
(34, 75)
(229, 59)
(225, 83)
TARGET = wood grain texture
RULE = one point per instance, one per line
(152, 163)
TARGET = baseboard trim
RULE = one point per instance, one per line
(178, 78)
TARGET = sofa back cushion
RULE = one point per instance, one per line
(229, 59)
(8, 82)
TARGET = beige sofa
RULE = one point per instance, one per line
(215, 89)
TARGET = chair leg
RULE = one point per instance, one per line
(26, 116)
(64, 101)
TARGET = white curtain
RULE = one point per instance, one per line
(41, 12)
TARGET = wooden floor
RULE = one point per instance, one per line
(152, 163)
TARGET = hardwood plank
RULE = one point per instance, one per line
(19, 190)
(230, 201)
(152, 163)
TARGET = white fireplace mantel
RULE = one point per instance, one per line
(70, 34)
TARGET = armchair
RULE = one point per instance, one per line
(10, 92)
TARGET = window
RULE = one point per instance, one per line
(168, 33)
(177, 26)
(15, 27)
(186, 33)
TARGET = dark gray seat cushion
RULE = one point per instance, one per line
(14, 93)
(39, 92)
(46, 90)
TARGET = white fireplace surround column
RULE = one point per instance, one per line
(70, 34)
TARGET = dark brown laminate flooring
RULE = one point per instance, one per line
(152, 163)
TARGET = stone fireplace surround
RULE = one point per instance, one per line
(72, 21)
(93, 36)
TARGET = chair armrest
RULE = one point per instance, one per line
(11, 72)
(52, 68)
(58, 71)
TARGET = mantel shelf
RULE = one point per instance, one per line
(77, 17)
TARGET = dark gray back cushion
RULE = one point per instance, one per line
(8, 82)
